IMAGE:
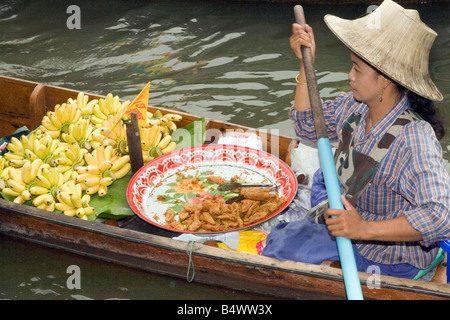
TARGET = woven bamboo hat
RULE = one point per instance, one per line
(394, 41)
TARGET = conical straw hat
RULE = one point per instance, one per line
(394, 41)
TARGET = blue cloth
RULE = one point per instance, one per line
(318, 189)
(309, 242)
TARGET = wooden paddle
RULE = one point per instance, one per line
(345, 249)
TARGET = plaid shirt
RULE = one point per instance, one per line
(411, 180)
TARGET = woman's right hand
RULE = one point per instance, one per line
(302, 36)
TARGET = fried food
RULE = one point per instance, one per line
(214, 215)
(216, 179)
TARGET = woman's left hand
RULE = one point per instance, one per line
(346, 223)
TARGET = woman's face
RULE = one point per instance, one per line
(365, 81)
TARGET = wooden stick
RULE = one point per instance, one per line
(134, 143)
(314, 98)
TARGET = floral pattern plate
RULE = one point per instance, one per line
(160, 184)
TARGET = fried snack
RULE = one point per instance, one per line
(216, 180)
(214, 215)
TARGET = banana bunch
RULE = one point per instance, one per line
(3, 170)
(47, 182)
(115, 136)
(166, 122)
(44, 148)
(105, 108)
(16, 155)
(67, 158)
(82, 102)
(77, 152)
(72, 202)
(56, 122)
(102, 168)
(20, 180)
(153, 143)
(80, 133)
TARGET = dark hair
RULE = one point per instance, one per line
(427, 110)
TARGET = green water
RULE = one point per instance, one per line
(226, 60)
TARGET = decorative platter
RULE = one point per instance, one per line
(161, 183)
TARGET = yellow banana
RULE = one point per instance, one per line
(98, 113)
(105, 165)
(13, 156)
(15, 186)
(102, 106)
(42, 181)
(164, 142)
(122, 171)
(107, 181)
(26, 195)
(93, 189)
(76, 200)
(10, 192)
(89, 211)
(54, 119)
(109, 152)
(120, 162)
(64, 198)
(173, 117)
(169, 148)
(19, 199)
(102, 190)
(90, 182)
(39, 200)
(16, 163)
(38, 190)
(93, 170)
(90, 159)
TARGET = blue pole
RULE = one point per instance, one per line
(446, 246)
(345, 248)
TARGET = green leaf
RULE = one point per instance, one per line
(190, 135)
(172, 184)
(114, 205)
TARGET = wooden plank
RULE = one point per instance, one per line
(14, 104)
(38, 106)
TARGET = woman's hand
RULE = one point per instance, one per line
(302, 36)
(346, 223)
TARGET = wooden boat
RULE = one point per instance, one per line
(137, 244)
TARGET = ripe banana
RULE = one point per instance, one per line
(56, 122)
(102, 168)
(72, 202)
(20, 180)
(116, 136)
(18, 150)
(80, 133)
(48, 181)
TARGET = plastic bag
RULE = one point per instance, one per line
(250, 241)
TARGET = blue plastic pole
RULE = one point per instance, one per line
(345, 248)
(446, 246)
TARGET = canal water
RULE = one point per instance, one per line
(227, 60)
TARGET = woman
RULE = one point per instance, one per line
(389, 160)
